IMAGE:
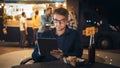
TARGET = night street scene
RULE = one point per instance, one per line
(24, 22)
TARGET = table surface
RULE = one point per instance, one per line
(60, 64)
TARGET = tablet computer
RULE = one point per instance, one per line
(46, 45)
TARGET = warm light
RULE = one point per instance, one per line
(2, 4)
(4, 7)
(98, 24)
(110, 59)
(101, 22)
(98, 54)
(90, 31)
(106, 57)
(11, 7)
(56, 4)
(64, 4)
(110, 63)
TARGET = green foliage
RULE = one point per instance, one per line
(5, 17)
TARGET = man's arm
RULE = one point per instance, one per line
(44, 20)
(25, 27)
(35, 54)
(77, 47)
(78, 44)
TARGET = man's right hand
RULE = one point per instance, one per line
(26, 33)
(57, 54)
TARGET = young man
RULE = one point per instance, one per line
(46, 19)
(1, 30)
(69, 42)
(23, 29)
(36, 25)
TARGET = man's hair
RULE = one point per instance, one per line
(23, 13)
(61, 11)
(49, 8)
(37, 12)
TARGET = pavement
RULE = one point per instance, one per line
(11, 54)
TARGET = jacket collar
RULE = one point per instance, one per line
(67, 30)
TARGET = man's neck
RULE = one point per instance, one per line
(59, 33)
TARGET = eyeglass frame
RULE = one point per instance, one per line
(60, 21)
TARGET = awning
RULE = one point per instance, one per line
(33, 1)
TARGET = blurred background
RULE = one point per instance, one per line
(98, 17)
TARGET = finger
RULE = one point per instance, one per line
(59, 50)
(51, 52)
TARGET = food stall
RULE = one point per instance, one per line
(14, 10)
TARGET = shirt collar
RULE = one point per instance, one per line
(67, 30)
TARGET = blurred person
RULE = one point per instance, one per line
(36, 25)
(46, 19)
(1, 30)
(118, 28)
(68, 40)
(72, 20)
(23, 29)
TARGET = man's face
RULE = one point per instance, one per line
(24, 15)
(48, 12)
(60, 22)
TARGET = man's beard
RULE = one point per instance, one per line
(61, 29)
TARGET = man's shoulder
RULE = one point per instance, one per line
(46, 34)
(43, 15)
(22, 19)
(49, 31)
(72, 30)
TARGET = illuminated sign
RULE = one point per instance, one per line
(90, 31)
(42, 1)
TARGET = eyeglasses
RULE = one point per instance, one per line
(59, 21)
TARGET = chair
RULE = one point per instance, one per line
(28, 60)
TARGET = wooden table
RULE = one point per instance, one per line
(60, 64)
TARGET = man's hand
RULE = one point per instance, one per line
(72, 60)
(57, 53)
(26, 32)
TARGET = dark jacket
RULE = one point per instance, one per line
(71, 45)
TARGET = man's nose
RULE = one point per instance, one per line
(59, 22)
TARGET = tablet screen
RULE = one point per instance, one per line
(46, 45)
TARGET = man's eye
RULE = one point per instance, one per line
(62, 20)
(55, 20)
